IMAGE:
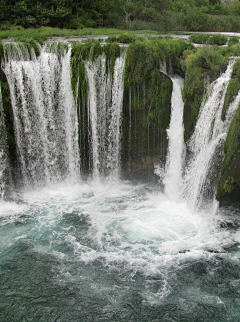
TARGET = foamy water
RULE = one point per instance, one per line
(115, 240)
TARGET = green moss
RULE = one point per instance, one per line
(112, 52)
(232, 140)
(7, 107)
(145, 56)
(149, 89)
(229, 185)
(236, 69)
(1, 52)
(233, 88)
(230, 172)
(192, 96)
(196, 63)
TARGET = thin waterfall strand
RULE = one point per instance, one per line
(105, 107)
(4, 166)
(174, 164)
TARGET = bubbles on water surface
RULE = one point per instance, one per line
(126, 244)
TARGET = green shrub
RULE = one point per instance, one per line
(112, 39)
(5, 27)
(208, 39)
(177, 21)
(233, 40)
(126, 39)
(224, 23)
(75, 23)
(218, 40)
(199, 38)
(145, 25)
(195, 20)
(235, 49)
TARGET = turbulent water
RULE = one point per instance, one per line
(91, 252)
(80, 250)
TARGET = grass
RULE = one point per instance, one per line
(44, 33)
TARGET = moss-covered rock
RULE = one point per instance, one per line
(8, 115)
(147, 104)
(198, 64)
(233, 88)
(230, 172)
(192, 96)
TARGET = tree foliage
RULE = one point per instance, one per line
(193, 15)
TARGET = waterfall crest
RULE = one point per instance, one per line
(105, 107)
(45, 114)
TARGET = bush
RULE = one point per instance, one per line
(233, 40)
(126, 39)
(218, 40)
(5, 27)
(224, 23)
(75, 23)
(235, 49)
(196, 20)
(177, 20)
(208, 39)
(144, 25)
(199, 38)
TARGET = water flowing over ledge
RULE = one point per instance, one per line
(76, 249)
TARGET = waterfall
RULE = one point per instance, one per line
(206, 143)
(46, 127)
(174, 163)
(45, 114)
(4, 166)
(105, 106)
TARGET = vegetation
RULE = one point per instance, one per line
(8, 116)
(142, 74)
(161, 15)
(196, 63)
(233, 88)
(43, 33)
(217, 39)
(147, 92)
(230, 173)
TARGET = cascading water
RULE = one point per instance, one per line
(111, 251)
(45, 115)
(174, 163)
(210, 132)
(105, 107)
(4, 166)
